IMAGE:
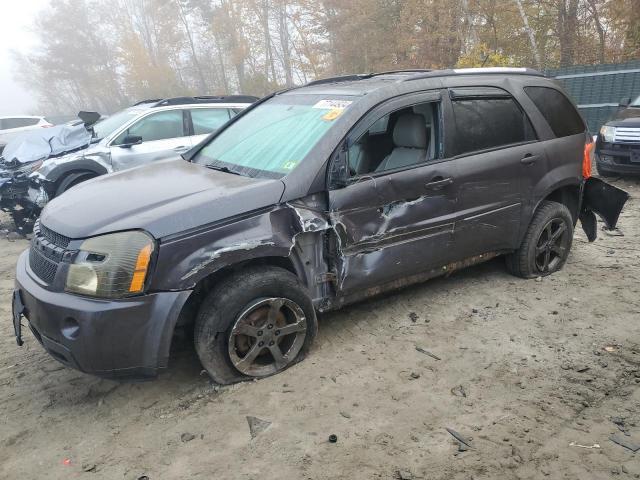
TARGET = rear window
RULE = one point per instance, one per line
(485, 123)
(557, 110)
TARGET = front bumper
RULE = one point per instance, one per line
(108, 338)
(618, 158)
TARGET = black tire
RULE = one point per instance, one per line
(72, 180)
(528, 261)
(217, 337)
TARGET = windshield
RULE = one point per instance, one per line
(274, 137)
(110, 124)
(636, 102)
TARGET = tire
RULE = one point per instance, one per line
(529, 260)
(72, 180)
(234, 319)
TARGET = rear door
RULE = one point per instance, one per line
(164, 134)
(494, 144)
(206, 120)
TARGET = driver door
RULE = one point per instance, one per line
(163, 136)
(394, 219)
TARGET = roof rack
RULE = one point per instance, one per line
(476, 71)
(163, 102)
(341, 78)
(206, 99)
(151, 100)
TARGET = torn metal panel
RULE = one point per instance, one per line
(292, 231)
(605, 200)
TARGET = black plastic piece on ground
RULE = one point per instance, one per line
(333, 438)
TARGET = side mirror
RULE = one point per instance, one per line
(625, 102)
(130, 140)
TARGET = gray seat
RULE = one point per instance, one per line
(410, 140)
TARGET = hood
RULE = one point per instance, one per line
(626, 117)
(43, 143)
(163, 198)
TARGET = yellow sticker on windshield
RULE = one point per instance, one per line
(332, 114)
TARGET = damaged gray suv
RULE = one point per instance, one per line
(313, 198)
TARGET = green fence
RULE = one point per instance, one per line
(598, 89)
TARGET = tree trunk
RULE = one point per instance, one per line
(530, 33)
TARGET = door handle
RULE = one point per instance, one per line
(438, 183)
(529, 159)
(181, 148)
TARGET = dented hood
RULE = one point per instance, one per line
(164, 198)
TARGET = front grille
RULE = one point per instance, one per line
(627, 134)
(51, 236)
(46, 253)
(44, 268)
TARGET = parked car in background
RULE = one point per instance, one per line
(618, 143)
(12, 127)
(150, 130)
(311, 199)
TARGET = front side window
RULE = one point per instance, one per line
(206, 120)
(157, 126)
(274, 137)
(403, 138)
(110, 124)
(486, 123)
(557, 110)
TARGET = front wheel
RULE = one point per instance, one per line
(546, 244)
(256, 323)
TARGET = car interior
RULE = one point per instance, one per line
(399, 139)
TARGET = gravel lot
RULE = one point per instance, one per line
(532, 374)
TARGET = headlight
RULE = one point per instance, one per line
(111, 266)
(608, 133)
(29, 167)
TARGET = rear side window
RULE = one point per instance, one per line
(484, 123)
(206, 120)
(557, 110)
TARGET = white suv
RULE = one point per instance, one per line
(11, 127)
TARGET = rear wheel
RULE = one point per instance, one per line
(546, 244)
(256, 323)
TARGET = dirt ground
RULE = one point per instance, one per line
(532, 373)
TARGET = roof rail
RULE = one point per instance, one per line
(206, 99)
(341, 78)
(477, 71)
(408, 70)
(151, 100)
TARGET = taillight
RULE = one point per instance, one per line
(586, 159)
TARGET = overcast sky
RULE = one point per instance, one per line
(16, 18)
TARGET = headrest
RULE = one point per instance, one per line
(410, 131)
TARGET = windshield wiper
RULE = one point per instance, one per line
(222, 169)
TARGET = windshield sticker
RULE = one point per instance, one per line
(333, 104)
(331, 115)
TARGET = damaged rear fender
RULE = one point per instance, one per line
(601, 199)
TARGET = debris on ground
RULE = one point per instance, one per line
(257, 426)
(404, 475)
(414, 376)
(427, 352)
(333, 438)
(187, 437)
(459, 391)
(413, 316)
(624, 442)
(574, 444)
(464, 444)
